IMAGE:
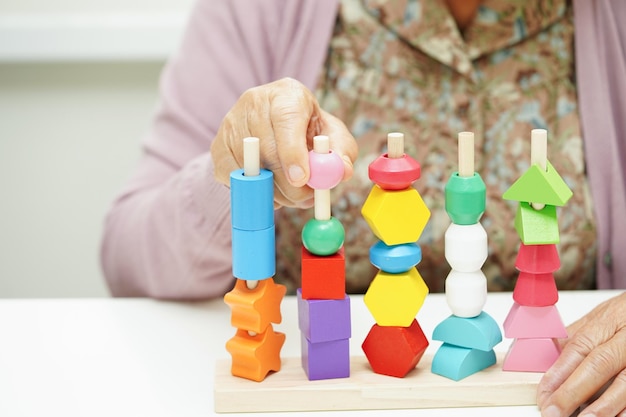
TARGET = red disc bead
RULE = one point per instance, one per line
(394, 173)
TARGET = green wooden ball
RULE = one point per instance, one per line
(323, 237)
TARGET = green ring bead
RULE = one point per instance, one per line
(323, 237)
(465, 198)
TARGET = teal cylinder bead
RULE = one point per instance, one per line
(323, 237)
(465, 198)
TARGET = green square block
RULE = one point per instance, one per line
(537, 227)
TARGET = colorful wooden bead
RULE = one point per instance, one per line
(323, 237)
(254, 253)
(323, 276)
(324, 320)
(395, 299)
(465, 198)
(466, 247)
(456, 362)
(253, 357)
(393, 350)
(395, 259)
(326, 170)
(252, 200)
(394, 173)
(480, 332)
(537, 259)
(537, 227)
(325, 360)
(526, 322)
(537, 290)
(531, 355)
(395, 217)
(540, 186)
(255, 309)
(466, 293)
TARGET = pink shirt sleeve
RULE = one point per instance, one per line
(167, 234)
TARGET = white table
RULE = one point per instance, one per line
(139, 357)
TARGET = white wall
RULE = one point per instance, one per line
(70, 132)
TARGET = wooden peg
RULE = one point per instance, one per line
(395, 145)
(539, 148)
(539, 154)
(251, 168)
(466, 154)
(251, 157)
(321, 144)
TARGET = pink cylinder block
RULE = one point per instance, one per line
(326, 170)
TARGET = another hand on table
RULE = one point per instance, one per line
(285, 116)
(593, 356)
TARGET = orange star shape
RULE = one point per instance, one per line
(255, 309)
(255, 356)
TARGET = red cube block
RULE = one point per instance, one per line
(323, 277)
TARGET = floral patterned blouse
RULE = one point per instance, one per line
(403, 65)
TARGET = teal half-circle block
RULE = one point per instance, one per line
(395, 259)
(480, 332)
(456, 362)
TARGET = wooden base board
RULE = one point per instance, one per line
(290, 390)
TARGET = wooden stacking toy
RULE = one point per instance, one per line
(255, 299)
(534, 321)
(469, 334)
(397, 215)
(323, 305)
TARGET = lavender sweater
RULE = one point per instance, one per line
(167, 234)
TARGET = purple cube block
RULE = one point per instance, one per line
(324, 320)
(326, 360)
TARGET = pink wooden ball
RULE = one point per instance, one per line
(326, 170)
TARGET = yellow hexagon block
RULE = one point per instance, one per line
(395, 217)
(395, 299)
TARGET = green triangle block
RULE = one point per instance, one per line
(539, 186)
(537, 227)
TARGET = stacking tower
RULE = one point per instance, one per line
(255, 299)
(323, 306)
(397, 215)
(534, 321)
(469, 334)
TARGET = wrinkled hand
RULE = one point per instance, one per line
(285, 116)
(593, 361)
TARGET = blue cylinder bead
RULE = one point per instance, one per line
(252, 200)
(254, 253)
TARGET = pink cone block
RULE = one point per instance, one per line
(535, 290)
(537, 259)
(526, 322)
(531, 355)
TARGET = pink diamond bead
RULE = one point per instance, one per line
(326, 170)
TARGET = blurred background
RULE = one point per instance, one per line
(78, 88)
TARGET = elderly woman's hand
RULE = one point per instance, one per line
(593, 362)
(285, 116)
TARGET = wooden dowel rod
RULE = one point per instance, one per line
(251, 157)
(395, 145)
(321, 144)
(466, 154)
(322, 204)
(539, 148)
